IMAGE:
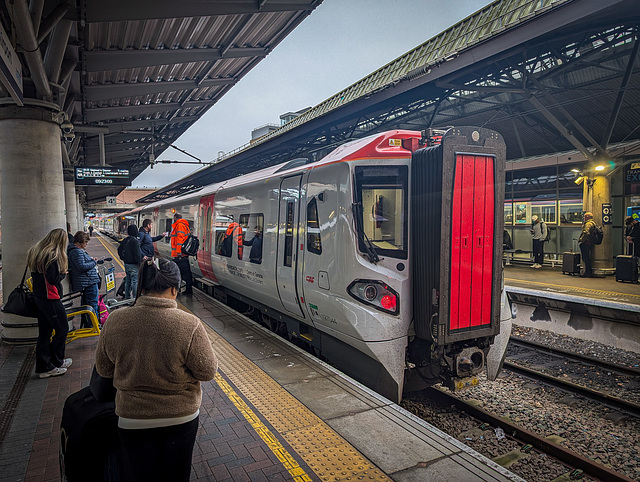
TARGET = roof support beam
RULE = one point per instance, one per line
(100, 60)
(27, 38)
(115, 127)
(561, 128)
(96, 93)
(106, 113)
(606, 137)
(122, 10)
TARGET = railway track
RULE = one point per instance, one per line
(577, 463)
(560, 379)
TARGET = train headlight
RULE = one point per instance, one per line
(376, 294)
(370, 292)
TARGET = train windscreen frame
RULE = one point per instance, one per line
(382, 193)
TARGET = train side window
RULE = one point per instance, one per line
(252, 225)
(288, 236)
(314, 244)
(224, 243)
(207, 228)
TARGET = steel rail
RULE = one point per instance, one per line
(576, 356)
(604, 398)
(559, 452)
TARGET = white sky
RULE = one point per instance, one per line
(341, 42)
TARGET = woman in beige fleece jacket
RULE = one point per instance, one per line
(157, 355)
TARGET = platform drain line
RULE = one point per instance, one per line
(9, 408)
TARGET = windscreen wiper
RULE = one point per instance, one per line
(370, 250)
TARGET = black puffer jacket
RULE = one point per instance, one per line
(82, 268)
(129, 250)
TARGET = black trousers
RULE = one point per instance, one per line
(158, 454)
(50, 351)
(587, 252)
(185, 271)
(538, 251)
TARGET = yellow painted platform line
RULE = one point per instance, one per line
(297, 472)
(113, 254)
(328, 455)
(576, 289)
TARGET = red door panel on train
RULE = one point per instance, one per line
(472, 248)
(205, 233)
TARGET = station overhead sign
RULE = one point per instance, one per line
(102, 176)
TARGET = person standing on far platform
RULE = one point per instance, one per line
(586, 242)
(47, 260)
(90, 231)
(539, 234)
(157, 401)
(632, 235)
(179, 232)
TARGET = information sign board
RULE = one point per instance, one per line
(102, 176)
(607, 213)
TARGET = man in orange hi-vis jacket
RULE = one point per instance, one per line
(179, 232)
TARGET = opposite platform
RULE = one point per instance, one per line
(272, 413)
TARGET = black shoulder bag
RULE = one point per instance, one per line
(21, 301)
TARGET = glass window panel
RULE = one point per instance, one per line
(545, 210)
(508, 213)
(314, 244)
(571, 211)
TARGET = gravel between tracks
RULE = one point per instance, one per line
(590, 429)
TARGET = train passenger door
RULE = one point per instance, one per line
(205, 233)
(287, 256)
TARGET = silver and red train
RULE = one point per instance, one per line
(384, 257)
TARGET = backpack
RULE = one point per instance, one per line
(548, 236)
(598, 234)
(190, 245)
(226, 247)
(103, 311)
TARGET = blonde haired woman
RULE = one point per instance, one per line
(47, 261)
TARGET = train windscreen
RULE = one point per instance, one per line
(381, 191)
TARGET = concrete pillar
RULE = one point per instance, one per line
(32, 197)
(71, 205)
(80, 212)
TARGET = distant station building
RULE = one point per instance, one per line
(260, 132)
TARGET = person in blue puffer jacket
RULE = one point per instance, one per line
(83, 274)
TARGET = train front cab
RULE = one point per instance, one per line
(456, 256)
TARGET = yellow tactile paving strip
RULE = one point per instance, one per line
(330, 456)
(573, 289)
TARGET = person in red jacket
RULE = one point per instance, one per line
(179, 232)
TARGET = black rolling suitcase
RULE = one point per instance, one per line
(88, 439)
(570, 263)
(627, 268)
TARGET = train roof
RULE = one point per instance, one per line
(384, 145)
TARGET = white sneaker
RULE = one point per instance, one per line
(538, 266)
(534, 265)
(66, 363)
(54, 373)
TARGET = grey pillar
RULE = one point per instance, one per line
(80, 214)
(32, 197)
(71, 205)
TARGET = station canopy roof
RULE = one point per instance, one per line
(138, 72)
(551, 76)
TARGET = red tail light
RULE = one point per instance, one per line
(376, 294)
